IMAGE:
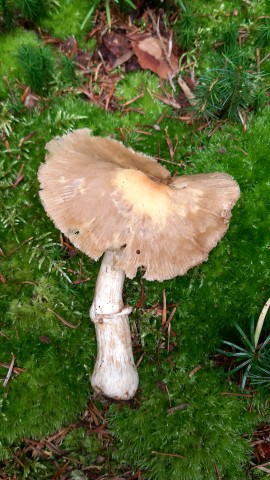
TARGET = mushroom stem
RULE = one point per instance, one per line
(115, 374)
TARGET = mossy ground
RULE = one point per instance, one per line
(37, 278)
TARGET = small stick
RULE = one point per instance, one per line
(132, 100)
(217, 472)
(172, 149)
(232, 394)
(19, 246)
(61, 470)
(176, 455)
(97, 71)
(179, 407)
(70, 325)
(188, 93)
(9, 87)
(258, 60)
(172, 103)
(19, 178)
(265, 58)
(170, 318)
(159, 159)
(241, 150)
(2, 334)
(26, 138)
(5, 382)
(164, 308)
(194, 370)
(168, 337)
(243, 121)
(140, 359)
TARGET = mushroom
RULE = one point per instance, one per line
(108, 199)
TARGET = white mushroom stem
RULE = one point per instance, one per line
(115, 374)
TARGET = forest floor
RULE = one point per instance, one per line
(188, 85)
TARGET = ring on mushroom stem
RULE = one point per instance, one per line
(108, 199)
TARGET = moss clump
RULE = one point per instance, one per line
(37, 65)
(66, 20)
(10, 42)
(189, 441)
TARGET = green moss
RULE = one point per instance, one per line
(54, 387)
(66, 20)
(10, 42)
(205, 430)
(37, 65)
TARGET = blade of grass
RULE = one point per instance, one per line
(108, 14)
(261, 321)
(245, 376)
(245, 338)
(89, 14)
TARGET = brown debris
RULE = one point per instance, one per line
(184, 406)
(15, 370)
(176, 455)
(14, 250)
(29, 99)
(195, 370)
(26, 138)
(65, 322)
(19, 177)
(93, 422)
(10, 369)
(187, 91)
(150, 53)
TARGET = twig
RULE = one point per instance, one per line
(243, 121)
(167, 323)
(26, 138)
(5, 382)
(2, 334)
(9, 87)
(140, 359)
(14, 250)
(178, 407)
(241, 150)
(159, 159)
(19, 178)
(194, 370)
(233, 394)
(265, 58)
(258, 60)
(262, 467)
(167, 101)
(132, 100)
(172, 149)
(61, 470)
(188, 93)
(15, 370)
(156, 27)
(176, 455)
(217, 472)
(164, 308)
(70, 325)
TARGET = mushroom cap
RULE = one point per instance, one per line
(104, 196)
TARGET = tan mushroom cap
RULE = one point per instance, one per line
(104, 196)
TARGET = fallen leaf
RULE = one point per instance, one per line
(153, 54)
